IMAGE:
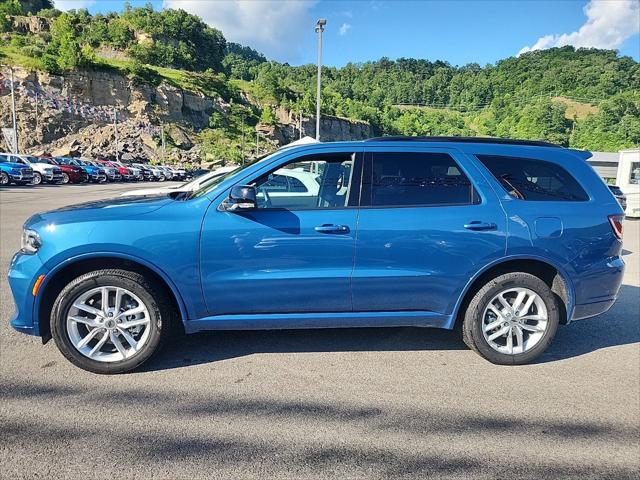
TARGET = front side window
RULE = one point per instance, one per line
(322, 181)
(532, 179)
(415, 179)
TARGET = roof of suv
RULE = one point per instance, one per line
(492, 140)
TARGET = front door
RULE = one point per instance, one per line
(294, 253)
(424, 229)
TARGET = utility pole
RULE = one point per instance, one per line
(319, 29)
(242, 144)
(164, 146)
(115, 128)
(257, 143)
(36, 110)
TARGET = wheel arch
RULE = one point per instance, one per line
(66, 271)
(552, 274)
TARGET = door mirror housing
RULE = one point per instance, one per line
(241, 198)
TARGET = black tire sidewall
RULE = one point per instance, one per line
(474, 323)
(139, 287)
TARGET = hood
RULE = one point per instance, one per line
(113, 208)
(14, 165)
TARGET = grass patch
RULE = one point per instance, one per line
(12, 55)
(576, 109)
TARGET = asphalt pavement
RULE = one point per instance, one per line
(351, 403)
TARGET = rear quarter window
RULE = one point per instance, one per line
(533, 179)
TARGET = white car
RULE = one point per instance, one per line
(43, 169)
(191, 186)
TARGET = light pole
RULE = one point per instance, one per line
(115, 129)
(319, 29)
(13, 110)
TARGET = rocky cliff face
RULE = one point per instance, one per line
(52, 107)
(75, 113)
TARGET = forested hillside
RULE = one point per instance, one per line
(584, 98)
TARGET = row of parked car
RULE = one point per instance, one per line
(37, 170)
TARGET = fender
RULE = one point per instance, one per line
(85, 256)
(561, 271)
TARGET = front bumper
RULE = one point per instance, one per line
(21, 177)
(23, 272)
(52, 177)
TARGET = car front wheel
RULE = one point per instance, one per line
(4, 178)
(65, 178)
(512, 319)
(37, 178)
(110, 321)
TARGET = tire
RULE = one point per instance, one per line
(65, 179)
(4, 179)
(108, 359)
(37, 178)
(479, 315)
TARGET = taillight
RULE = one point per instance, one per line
(616, 225)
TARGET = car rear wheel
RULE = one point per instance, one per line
(110, 321)
(512, 319)
(37, 178)
(4, 178)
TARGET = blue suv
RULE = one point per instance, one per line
(506, 239)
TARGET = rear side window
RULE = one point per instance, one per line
(413, 178)
(535, 180)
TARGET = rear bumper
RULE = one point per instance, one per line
(597, 289)
(580, 312)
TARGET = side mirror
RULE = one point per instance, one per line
(241, 197)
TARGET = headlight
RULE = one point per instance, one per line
(30, 242)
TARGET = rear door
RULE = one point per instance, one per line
(428, 222)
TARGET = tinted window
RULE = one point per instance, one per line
(634, 178)
(407, 178)
(531, 179)
(311, 182)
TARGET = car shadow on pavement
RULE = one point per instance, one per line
(178, 446)
(619, 326)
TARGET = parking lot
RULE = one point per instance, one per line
(367, 403)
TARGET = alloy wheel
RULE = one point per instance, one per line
(37, 178)
(514, 321)
(4, 179)
(65, 178)
(108, 324)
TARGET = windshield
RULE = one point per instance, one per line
(41, 160)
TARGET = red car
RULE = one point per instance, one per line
(70, 173)
(124, 172)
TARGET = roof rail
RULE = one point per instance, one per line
(503, 141)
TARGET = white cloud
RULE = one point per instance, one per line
(609, 23)
(275, 28)
(65, 5)
(344, 28)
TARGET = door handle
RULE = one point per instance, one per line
(330, 228)
(478, 226)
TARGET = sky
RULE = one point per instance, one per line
(457, 31)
